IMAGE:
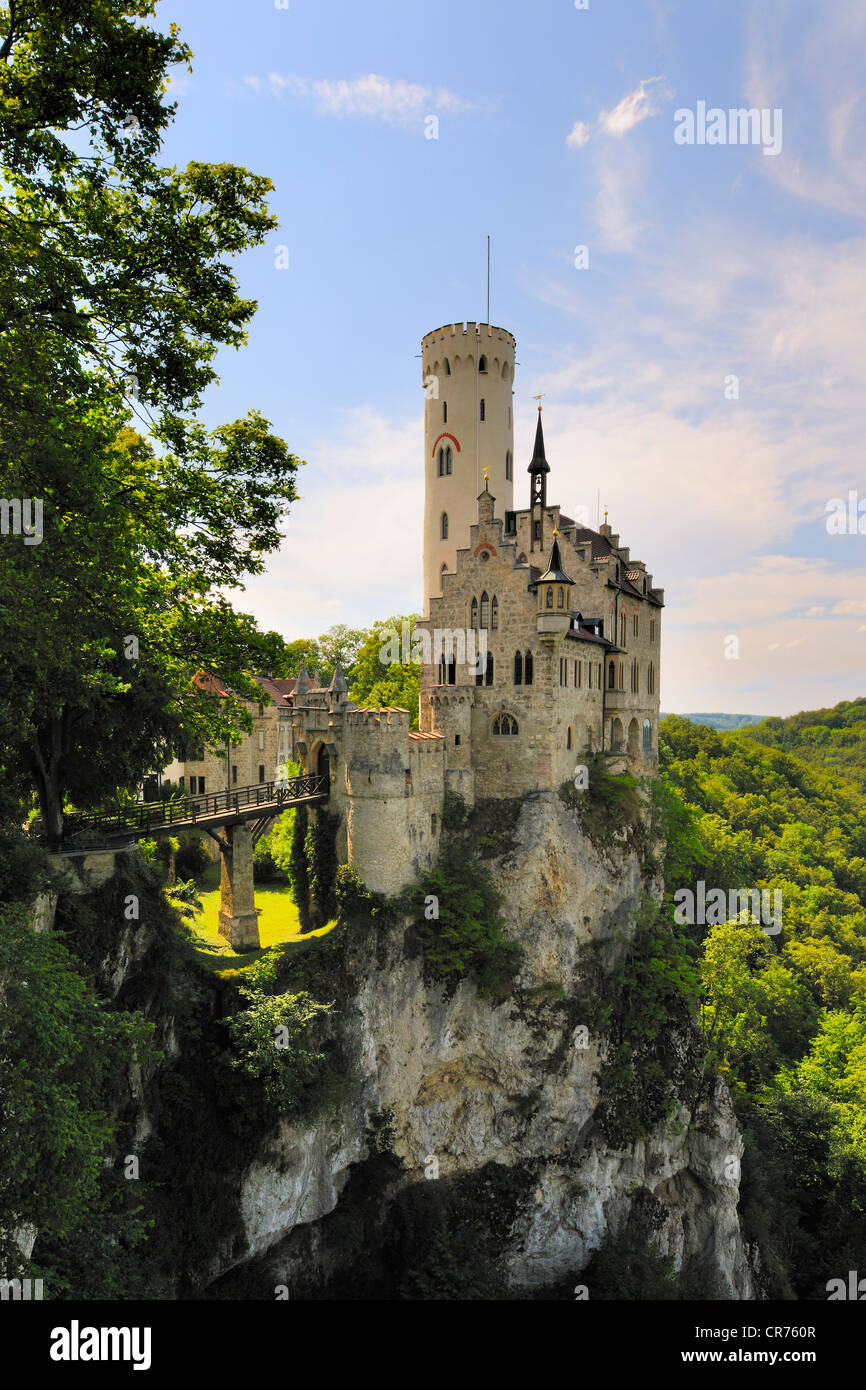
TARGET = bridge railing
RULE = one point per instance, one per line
(155, 815)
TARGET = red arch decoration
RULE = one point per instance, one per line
(438, 441)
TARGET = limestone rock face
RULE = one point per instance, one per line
(466, 1082)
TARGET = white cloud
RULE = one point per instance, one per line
(645, 100)
(578, 135)
(396, 102)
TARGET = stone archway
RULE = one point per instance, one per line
(617, 735)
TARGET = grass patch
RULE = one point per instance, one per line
(279, 922)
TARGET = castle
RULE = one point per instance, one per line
(541, 643)
(542, 637)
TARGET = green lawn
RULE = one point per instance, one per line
(278, 920)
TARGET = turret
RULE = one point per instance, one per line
(467, 375)
(554, 601)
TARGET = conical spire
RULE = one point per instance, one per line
(555, 573)
(338, 681)
(539, 463)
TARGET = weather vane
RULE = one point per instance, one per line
(486, 474)
(538, 398)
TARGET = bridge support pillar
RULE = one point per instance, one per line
(238, 923)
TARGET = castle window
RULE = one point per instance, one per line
(261, 708)
(481, 409)
(473, 613)
(563, 671)
(589, 675)
(445, 412)
(651, 679)
(488, 673)
(518, 668)
(548, 602)
(432, 822)
(623, 627)
(511, 524)
(456, 740)
(568, 737)
(616, 576)
(494, 612)
(447, 367)
(577, 675)
(611, 676)
(261, 772)
(505, 726)
(635, 676)
(647, 736)
(538, 530)
(620, 686)
(508, 466)
(485, 610)
(234, 774)
(482, 364)
(527, 668)
(598, 670)
(448, 462)
(441, 463)
(443, 570)
(444, 526)
(560, 598)
(652, 629)
(635, 625)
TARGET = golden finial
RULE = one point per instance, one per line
(555, 531)
(605, 516)
(538, 398)
(486, 474)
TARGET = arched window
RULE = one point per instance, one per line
(442, 670)
(623, 627)
(505, 726)
(441, 463)
(444, 569)
(548, 602)
(485, 610)
(568, 737)
(508, 465)
(505, 371)
(611, 676)
(447, 367)
(518, 668)
(481, 414)
(527, 668)
(635, 677)
(560, 598)
(444, 526)
(647, 736)
(494, 612)
(651, 679)
(482, 364)
(635, 625)
(448, 461)
(473, 613)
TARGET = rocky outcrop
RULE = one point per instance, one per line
(464, 1082)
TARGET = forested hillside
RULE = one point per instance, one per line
(785, 1014)
(832, 739)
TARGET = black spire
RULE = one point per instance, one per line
(554, 574)
(538, 469)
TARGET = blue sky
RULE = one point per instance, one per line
(555, 130)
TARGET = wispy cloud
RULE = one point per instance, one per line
(395, 102)
(578, 135)
(646, 100)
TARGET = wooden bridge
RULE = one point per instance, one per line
(242, 814)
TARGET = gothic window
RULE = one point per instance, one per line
(482, 364)
(611, 676)
(448, 462)
(635, 677)
(508, 466)
(548, 602)
(518, 668)
(635, 626)
(473, 613)
(651, 679)
(560, 598)
(441, 463)
(488, 673)
(447, 367)
(485, 610)
(623, 626)
(647, 736)
(442, 670)
(444, 526)
(505, 726)
(527, 668)
(620, 686)
(444, 569)
(494, 612)
(481, 415)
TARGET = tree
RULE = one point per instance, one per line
(380, 678)
(116, 293)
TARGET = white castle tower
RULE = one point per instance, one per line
(468, 374)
